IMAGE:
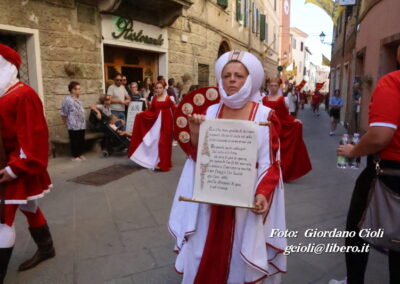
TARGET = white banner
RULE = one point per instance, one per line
(226, 162)
(133, 109)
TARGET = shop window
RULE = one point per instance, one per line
(134, 64)
(204, 74)
(111, 72)
(132, 59)
(133, 74)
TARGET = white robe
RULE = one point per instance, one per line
(253, 254)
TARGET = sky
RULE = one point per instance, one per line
(312, 20)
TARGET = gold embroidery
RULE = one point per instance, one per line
(12, 89)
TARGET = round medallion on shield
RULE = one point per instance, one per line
(212, 94)
(181, 122)
(187, 108)
(184, 137)
(198, 99)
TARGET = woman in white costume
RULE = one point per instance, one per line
(221, 244)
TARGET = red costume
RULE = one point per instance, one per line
(25, 138)
(24, 176)
(151, 144)
(295, 161)
(316, 98)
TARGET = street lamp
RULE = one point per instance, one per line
(322, 39)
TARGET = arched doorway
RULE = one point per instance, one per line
(223, 47)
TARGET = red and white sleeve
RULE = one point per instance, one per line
(32, 136)
(268, 164)
(385, 104)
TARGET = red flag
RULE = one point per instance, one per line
(301, 85)
(318, 86)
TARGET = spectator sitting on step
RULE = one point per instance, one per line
(103, 110)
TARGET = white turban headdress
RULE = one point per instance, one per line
(251, 89)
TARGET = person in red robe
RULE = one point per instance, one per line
(303, 99)
(152, 136)
(223, 244)
(316, 100)
(295, 161)
(23, 173)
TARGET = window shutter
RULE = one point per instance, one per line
(253, 17)
(238, 10)
(246, 13)
(262, 27)
(223, 3)
(257, 20)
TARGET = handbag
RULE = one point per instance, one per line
(382, 213)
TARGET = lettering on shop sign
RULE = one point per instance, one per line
(126, 31)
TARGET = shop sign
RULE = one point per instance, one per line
(118, 30)
(126, 30)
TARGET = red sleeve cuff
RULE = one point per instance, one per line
(269, 182)
(14, 169)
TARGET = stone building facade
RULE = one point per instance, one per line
(208, 28)
(89, 40)
(60, 41)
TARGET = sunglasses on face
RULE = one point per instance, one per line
(118, 80)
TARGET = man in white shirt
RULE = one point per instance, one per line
(119, 97)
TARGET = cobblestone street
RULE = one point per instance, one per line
(116, 233)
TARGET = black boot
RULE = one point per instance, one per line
(42, 238)
(5, 255)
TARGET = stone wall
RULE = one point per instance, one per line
(68, 40)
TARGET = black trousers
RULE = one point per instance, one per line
(77, 141)
(356, 263)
